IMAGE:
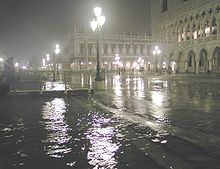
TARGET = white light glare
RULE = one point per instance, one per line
(16, 64)
(48, 57)
(93, 25)
(97, 11)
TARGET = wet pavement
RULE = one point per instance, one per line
(140, 121)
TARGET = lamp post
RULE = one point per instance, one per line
(57, 51)
(156, 52)
(96, 25)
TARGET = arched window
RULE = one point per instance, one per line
(191, 59)
(202, 58)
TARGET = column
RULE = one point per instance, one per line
(102, 49)
(124, 49)
(131, 51)
(116, 49)
(218, 25)
(185, 34)
(186, 66)
(86, 54)
(210, 65)
(197, 31)
(210, 26)
(138, 50)
(191, 31)
(109, 49)
(197, 66)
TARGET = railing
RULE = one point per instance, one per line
(40, 81)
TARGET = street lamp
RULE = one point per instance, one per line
(96, 25)
(57, 51)
(156, 52)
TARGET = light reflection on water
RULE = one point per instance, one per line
(102, 148)
(53, 113)
(143, 102)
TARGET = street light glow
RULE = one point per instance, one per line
(156, 50)
(97, 11)
(48, 57)
(101, 20)
(16, 64)
(57, 50)
(93, 25)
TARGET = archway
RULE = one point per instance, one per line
(181, 63)
(191, 62)
(203, 61)
(216, 60)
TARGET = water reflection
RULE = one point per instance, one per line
(139, 87)
(80, 80)
(102, 149)
(53, 113)
(117, 85)
(59, 85)
(12, 138)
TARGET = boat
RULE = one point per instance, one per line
(4, 86)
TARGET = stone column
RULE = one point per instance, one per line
(210, 26)
(218, 24)
(186, 66)
(131, 51)
(102, 49)
(203, 30)
(197, 30)
(197, 66)
(191, 31)
(210, 65)
(109, 49)
(124, 49)
(86, 53)
(116, 49)
(138, 50)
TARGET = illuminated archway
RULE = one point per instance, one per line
(203, 61)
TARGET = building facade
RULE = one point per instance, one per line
(126, 50)
(188, 33)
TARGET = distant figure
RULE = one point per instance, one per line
(169, 69)
(132, 70)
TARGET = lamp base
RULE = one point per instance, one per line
(98, 85)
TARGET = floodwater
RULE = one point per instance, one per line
(143, 122)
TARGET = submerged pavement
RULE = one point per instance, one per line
(152, 122)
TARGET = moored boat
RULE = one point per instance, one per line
(4, 86)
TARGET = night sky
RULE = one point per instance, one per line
(31, 28)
